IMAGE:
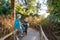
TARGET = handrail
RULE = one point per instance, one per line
(42, 34)
(8, 35)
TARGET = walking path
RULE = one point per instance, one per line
(31, 35)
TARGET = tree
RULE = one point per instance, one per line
(13, 8)
(54, 18)
(5, 7)
(30, 6)
(54, 9)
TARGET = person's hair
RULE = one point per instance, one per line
(18, 15)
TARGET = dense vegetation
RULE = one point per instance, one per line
(5, 7)
(52, 23)
(29, 8)
(6, 21)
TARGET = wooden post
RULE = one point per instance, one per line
(40, 33)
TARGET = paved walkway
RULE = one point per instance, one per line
(31, 35)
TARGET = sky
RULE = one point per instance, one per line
(44, 8)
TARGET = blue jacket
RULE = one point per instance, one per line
(17, 23)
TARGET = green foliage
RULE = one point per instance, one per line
(5, 7)
(30, 7)
(54, 9)
(19, 9)
(54, 18)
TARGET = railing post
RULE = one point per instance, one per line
(41, 37)
(14, 35)
(8, 35)
(42, 34)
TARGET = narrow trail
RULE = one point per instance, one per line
(31, 35)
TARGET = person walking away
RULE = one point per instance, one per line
(25, 24)
(17, 25)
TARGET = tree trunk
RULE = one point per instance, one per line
(13, 15)
(13, 9)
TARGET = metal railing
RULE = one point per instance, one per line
(8, 35)
(42, 34)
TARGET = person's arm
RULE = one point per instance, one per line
(20, 25)
(28, 24)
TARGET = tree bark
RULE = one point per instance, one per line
(13, 9)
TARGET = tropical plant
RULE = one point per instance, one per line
(54, 9)
(5, 7)
(30, 7)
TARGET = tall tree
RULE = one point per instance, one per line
(13, 8)
(27, 7)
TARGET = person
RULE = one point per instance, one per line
(25, 25)
(17, 25)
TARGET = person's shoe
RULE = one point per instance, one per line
(17, 38)
(22, 35)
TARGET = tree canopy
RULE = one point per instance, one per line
(54, 9)
(5, 7)
(30, 6)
